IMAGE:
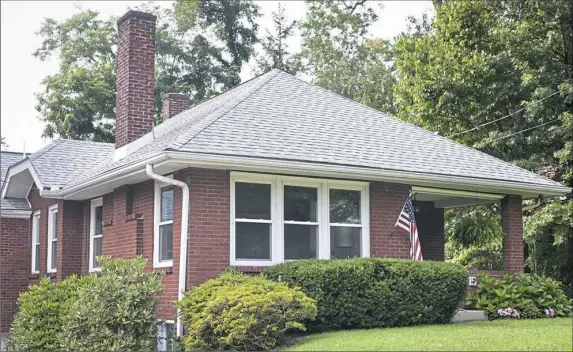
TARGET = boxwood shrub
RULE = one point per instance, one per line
(376, 292)
(239, 312)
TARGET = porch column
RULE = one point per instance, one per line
(512, 226)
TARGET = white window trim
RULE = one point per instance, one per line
(157, 222)
(161, 333)
(98, 202)
(323, 186)
(52, 211)
(35, 240)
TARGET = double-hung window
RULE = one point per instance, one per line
(52, 239)
(253, 214)
(279, 218)
(96, 232)
(165, 334)
(35, 243)
(163, 234)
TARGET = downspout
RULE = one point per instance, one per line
(184, 235)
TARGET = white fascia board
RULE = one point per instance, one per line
(15, 214)
(368, 174)
(455, 193)
(181, 160)
(16, 169)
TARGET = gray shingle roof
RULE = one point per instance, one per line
(279, 116)
(8, 159)
(294, 120)
(65, 160)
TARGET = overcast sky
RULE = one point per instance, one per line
(21, 73)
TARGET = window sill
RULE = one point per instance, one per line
(165, 269)
(250, 269)
(51, 274)
(34, 275)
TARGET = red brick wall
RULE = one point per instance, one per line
(128, 229)
(135, 76)
(209, 224)
(386, 202)
(512, 226)
(71, 238)
(15, 263)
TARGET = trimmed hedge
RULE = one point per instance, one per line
(364, 293)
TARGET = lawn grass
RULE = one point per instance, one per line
(498, 335)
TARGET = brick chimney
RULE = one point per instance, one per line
(135, 76)
(174, 103)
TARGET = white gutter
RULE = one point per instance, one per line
(15, 214)
(184, 235)
(364, 173)
(240, 163)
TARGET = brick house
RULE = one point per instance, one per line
(275, 169)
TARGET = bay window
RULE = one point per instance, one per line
(280, 218)
(96, 232)
(163, 231)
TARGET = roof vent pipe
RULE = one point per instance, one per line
(184, 235)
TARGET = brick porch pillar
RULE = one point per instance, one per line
(512, 226)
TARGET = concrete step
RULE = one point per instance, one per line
(463, 316)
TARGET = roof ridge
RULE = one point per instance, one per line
(175, 117)
(46, 149)
(12, 152)
(416, 126)
(79, 141)
(185, 138)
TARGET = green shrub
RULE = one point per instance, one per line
(530, 294)
(41, 312)
(116, 312)
(376, 292)
(240, 312)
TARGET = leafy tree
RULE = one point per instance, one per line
(338, 54)
(474, 237)
(505, 63)
(549, 237)
(78, 101)
(275, 47)
(501, 70)
(228, 33)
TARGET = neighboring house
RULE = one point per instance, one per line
(275, 169)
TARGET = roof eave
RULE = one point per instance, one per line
(179, 160)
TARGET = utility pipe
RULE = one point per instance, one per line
(184, 235)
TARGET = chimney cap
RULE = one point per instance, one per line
(137, 14)
(175, 96)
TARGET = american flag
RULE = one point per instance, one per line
(407, 221)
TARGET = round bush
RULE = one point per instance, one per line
(41, 314)
(376, 292)
(240, 312)
(116, 311)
